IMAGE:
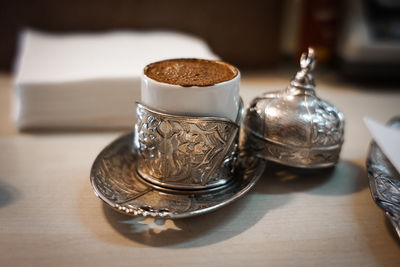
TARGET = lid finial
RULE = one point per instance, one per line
(303, 79)
(308, 60)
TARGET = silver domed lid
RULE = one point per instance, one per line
(294, 127)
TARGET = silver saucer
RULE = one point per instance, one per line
(384, 181)
(115, 181)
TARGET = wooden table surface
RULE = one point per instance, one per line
(49, 215)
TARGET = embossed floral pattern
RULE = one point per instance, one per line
(185, 151)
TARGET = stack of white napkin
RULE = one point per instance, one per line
(89, 81)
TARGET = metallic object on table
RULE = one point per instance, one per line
(384, 181)
(184, 152)
(294, 127)
(114, 180)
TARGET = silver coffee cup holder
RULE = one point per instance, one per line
(187, 154)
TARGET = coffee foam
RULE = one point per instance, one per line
(190, 72)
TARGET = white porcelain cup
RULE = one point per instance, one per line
(217, 100)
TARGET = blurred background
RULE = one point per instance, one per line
(360, 36)
(80, 67)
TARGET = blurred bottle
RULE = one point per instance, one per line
(318, 28)
(309, 23)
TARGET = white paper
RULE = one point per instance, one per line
(90, 80)
(388, 139)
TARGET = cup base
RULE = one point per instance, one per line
(178, 188)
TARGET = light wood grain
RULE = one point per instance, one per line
(49, 215)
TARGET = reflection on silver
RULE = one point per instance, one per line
(294, 127)
(115, 181)
(184, 152)
(384, 181)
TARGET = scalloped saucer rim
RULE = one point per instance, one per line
(115, 181)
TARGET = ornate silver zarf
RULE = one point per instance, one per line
(178, 166)
(185, 152)
(294, 126)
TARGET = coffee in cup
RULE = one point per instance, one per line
(195, 87)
